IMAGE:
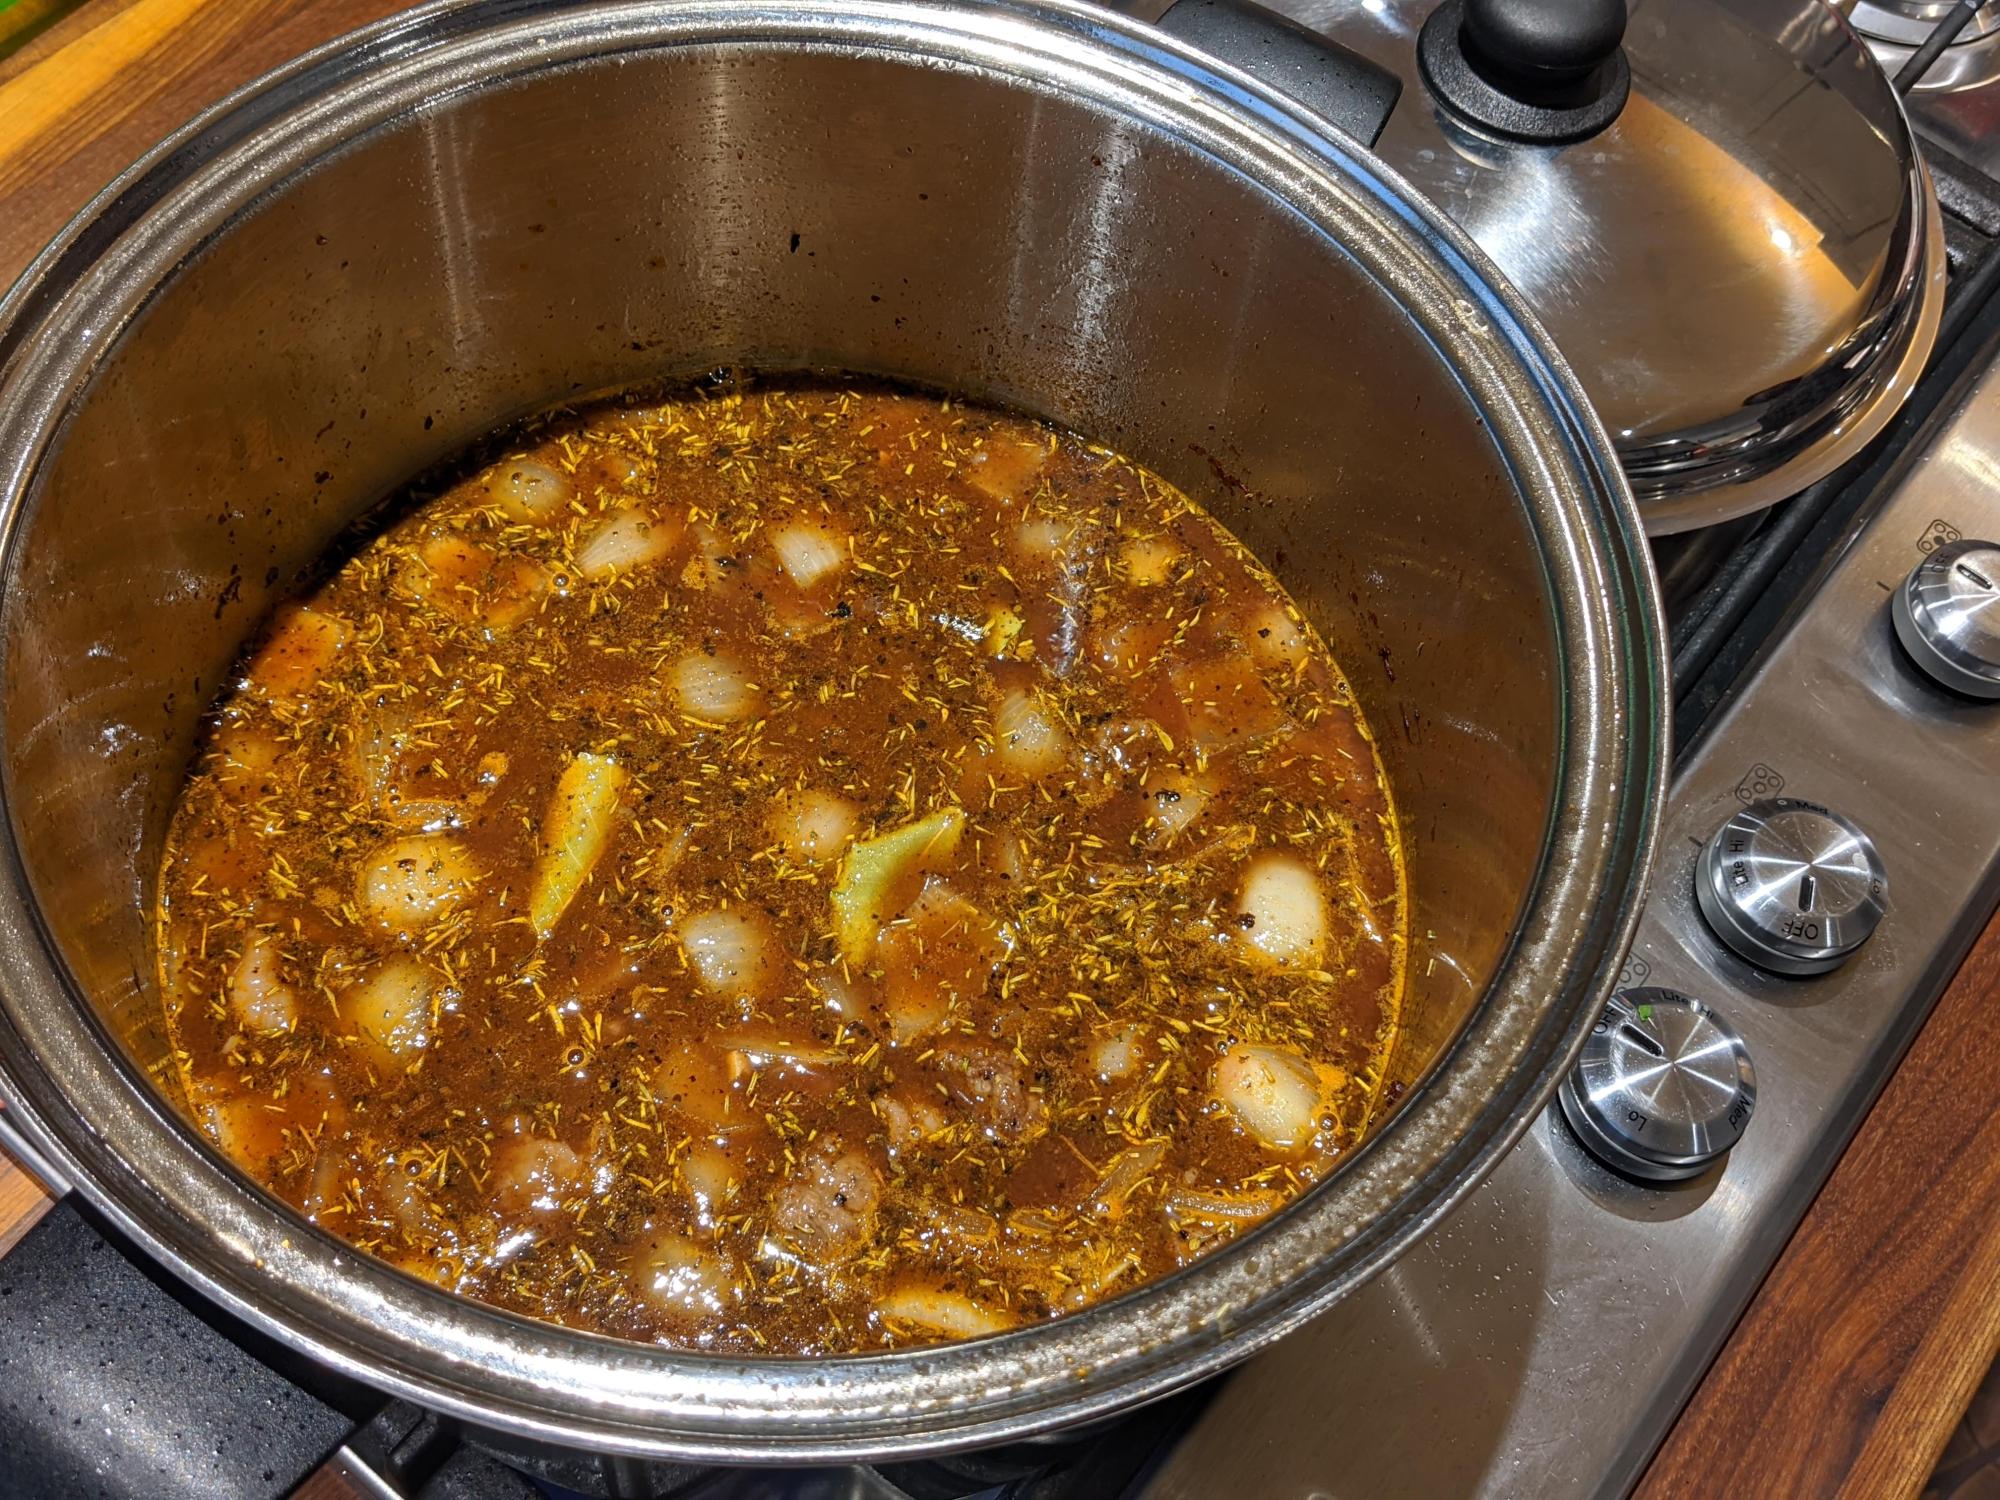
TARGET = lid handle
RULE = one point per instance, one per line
(1545, 71)
(1530, 48)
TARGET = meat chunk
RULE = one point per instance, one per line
(827, 1212)
(909, 1117)
(988, 1084)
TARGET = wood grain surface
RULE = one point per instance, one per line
(83, 99)
(22, 1202)
(333, 1480)
(1871, 1333)
(1852, 1364)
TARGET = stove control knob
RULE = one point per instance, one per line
(1791, 886)
(1947, 616)
(1663, 1088)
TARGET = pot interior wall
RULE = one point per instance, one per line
(667, 211)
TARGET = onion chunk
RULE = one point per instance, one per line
(812, 826)
(713, 688)
(939, 955)
(808, 553)
(1281, 913)
(474, 585)
(1149, 561)
(680, 1277)
(625, 539)
(413, 882)
(301, 650)
(257, 991)
(1005, 471)
(938, 1311)
(1028, 736)
(732, 953)
(392, 1007)
(526, 491)
(1174, 800)
(1274, 1094)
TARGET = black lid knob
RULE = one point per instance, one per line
(1541, 43)
(1546, 71)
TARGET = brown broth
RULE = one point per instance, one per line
(540, 914)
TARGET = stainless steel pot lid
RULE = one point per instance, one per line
(1744, 265)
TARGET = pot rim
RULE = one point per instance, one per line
(79, 1101)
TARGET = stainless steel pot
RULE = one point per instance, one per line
(363, 261)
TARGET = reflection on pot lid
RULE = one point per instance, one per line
(1720, 218)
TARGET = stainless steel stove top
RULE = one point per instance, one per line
(1542, 1341)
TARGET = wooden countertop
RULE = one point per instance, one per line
(101, 81)
(1861, 1350)
(1865, 1343)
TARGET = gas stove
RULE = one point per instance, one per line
(1542, 1341)
(1830, 847)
